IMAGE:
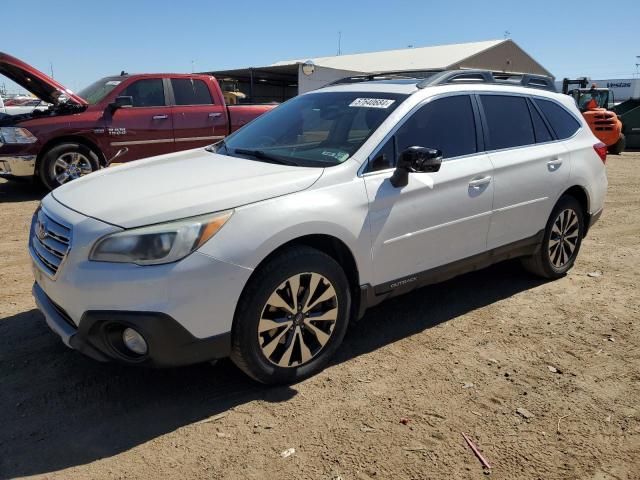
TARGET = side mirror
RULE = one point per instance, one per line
(415, 160)
(122, 102)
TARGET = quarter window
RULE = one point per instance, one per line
(447, 124)
(146, 93)
(509, 122)
(189, 91)
(561, 121)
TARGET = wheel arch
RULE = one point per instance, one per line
(71, 139)
(332, 246)
(582, 196)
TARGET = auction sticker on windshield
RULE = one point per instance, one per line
(372, 102)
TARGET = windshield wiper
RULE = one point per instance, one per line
(261, 155)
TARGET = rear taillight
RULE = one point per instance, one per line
(601, 150)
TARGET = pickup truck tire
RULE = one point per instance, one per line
(275, 338)
(561, 242)
(65, 162)
(618, 147)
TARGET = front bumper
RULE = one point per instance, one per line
(17, 166)
(185, 308)
(99, 336)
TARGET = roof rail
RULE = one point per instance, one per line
(449, 77)
(370, 78)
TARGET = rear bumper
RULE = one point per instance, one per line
(17, 166)
(99, 336)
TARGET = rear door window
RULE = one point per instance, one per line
(562, 122)
(190, 91)
(508, 121)
(148, 92)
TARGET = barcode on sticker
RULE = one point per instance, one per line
(372, 102)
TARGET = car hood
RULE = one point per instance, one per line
(36, 82)
(179, 185)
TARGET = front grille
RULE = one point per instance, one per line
(50, 242)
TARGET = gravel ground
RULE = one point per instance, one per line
(463, 356)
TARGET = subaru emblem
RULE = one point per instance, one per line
(41, 230)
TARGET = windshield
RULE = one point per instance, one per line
(95, 92)
(314, 130)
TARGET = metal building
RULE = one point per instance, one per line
(285, 79)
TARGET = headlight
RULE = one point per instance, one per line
(156, 244)
(16, 135)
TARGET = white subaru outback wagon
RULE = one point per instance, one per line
(263, 247)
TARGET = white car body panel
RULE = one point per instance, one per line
(528, 181)
(436, 219)
(185, 184)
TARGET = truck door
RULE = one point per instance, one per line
(198, 120)
(146, 128)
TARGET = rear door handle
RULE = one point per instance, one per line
(214, 114)
(478, 183)
(554, 164)
(160, 117)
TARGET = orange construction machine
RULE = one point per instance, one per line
(593, 102)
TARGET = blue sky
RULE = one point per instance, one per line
(87, 40)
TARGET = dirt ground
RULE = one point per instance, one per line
(462, 356)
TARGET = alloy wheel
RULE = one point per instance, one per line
(298, 320)
(69, 166)
(564, 238)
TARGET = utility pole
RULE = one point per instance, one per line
(507, 34)
(193, 66)
(638, 65)
(51, 68)
(339, 42)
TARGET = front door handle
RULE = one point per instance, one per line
(478, 183)
(160, 117)
(214, 114)
(554, 164)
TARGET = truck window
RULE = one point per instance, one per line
(189, 91)
(148, 92)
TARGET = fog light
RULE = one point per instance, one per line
(134, 341)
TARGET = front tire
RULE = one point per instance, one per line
(292, 317)
(66, 162)
(561, 242)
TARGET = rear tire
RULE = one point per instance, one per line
(66, 162)
(275, 338)
(561, 242)
(618, 147)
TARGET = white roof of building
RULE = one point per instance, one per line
(421, 58)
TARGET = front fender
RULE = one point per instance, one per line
(256, 230)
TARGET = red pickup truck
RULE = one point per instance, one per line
(119, 118)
